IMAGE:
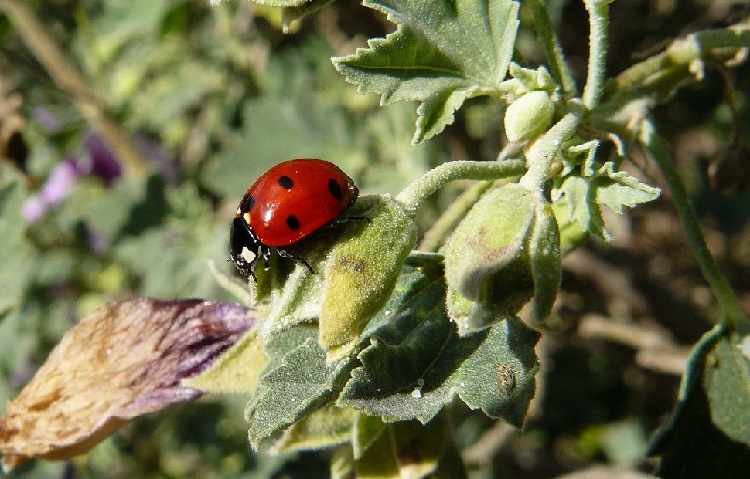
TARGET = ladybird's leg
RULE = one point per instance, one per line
(251, 268)
(355, 218)
(348, 219)
(265, 251)
(299, 259)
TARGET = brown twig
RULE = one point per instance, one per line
(656, 350)
(65, 75)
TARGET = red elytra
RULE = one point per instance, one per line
(287, 203)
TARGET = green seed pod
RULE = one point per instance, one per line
(529, 116)
(506, 251)
(361, 271)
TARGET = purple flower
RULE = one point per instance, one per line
(102, 161)
(62, 179)
(99, 162)
(33, 208)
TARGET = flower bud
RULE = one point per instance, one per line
(528, 116)
(506, 251)
(361, 270)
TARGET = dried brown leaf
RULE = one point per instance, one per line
(123, 360)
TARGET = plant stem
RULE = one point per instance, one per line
(598, 23)
(542, 152)
(415, 193)
(556, 59)
(662, 73)
(732, 315)
(47, 52)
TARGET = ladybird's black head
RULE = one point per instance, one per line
(240, 236)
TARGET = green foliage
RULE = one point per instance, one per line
(379, 353)
(441, 55)
(586, 187)
(296, 381)
(413, 364)
(708, 432)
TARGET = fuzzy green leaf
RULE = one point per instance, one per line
(328, 426)
(546, 267)
(236, 370)
(441, 54)
(296, 382)
(415, 448)
(696, 442)
(616, 189)
(417, 364)
(588, 189)
(727, 383)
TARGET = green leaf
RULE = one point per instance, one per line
(19, 332)
(14, 250)
(367, 430)
(236, 370)
(417, 363)
(726, 380)
(325, 427)
(546, 267)
(300, 10)
(441, 54)
(616, 189)
(577, 192)
(691, 445)
(408, 448)
(587, 188)
(296, 381)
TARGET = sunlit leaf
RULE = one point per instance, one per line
(324, 427)
(441, 54)
(417, 363)
(296, 382)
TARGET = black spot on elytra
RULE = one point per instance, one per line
(335, 188)
(286, 182)
(292, 222)
(247, 204)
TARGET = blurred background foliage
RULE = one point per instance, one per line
(211, 97)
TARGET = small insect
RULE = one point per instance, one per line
(506, 378)
(286, 204)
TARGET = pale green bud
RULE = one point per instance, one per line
(529, 116)
(361, 271)
(504, 253)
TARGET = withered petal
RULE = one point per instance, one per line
(123, 360)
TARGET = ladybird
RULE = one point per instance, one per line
(286, 204)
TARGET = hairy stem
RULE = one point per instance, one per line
(414, 194)
(542, 152)
(598, 23)
(555, 58)
(732, 316)
(31, 30)
(661, 74)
